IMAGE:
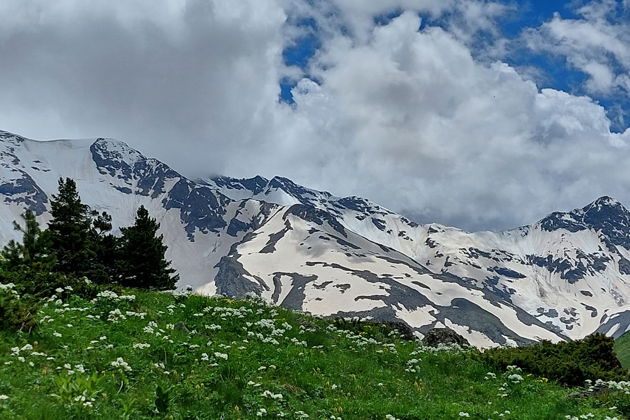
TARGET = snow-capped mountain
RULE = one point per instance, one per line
(562, 277)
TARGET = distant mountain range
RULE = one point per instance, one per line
(563, 277)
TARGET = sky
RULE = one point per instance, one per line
(480, 114)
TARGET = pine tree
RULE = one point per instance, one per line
(105, 246)
(142, 260)
(70, 231)
(30, 264)
(34, 248)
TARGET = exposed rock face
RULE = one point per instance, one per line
(438, 336)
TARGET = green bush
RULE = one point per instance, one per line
(40, 284)
(16, 314)
(569, 363)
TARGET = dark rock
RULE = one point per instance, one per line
(180, 326)
(237, 226)
(405, 331)
(270, 246)
(26, 192)
(232, 279)
(314, 215)
(590, 392)
(506, 272)
(256, 185)
(624, 266)
(379, 223)
(199, 207)
(438, 336)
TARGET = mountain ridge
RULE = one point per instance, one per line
(562, 277)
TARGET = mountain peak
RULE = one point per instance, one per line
(7, 133)
(112, 149)
(113, 144)
(605, 215)
(604, 209)
(604, 201)
(7, 136)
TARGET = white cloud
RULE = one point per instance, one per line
(597, 43)
(411, 119)
(408, 118)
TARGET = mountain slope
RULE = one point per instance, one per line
(569, 270)
(199, 223)
(161, 356)
(565, 276)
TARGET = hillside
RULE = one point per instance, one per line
(136, 355)
(622, 348)
(562, 277)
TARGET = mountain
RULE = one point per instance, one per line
(569, 270)
(562, 277)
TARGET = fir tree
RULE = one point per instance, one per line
(31, 264)
(34, 249)
(142, 261)
(70, 231)
(105, 247)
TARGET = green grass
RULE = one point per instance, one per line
(213, 358)
(622, 348)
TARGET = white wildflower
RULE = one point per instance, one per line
(515, 378)
(120, 362)
(141, 346)
(269, 394)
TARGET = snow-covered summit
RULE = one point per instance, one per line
(604, 214)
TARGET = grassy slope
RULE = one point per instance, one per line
(289, 363)
(622, 347)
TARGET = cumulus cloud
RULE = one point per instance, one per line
(596, 43)
(425, 126)
(408, 117)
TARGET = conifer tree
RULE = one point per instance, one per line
(34, 248)
(142, 260)
(105, 246)
(70, 231)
